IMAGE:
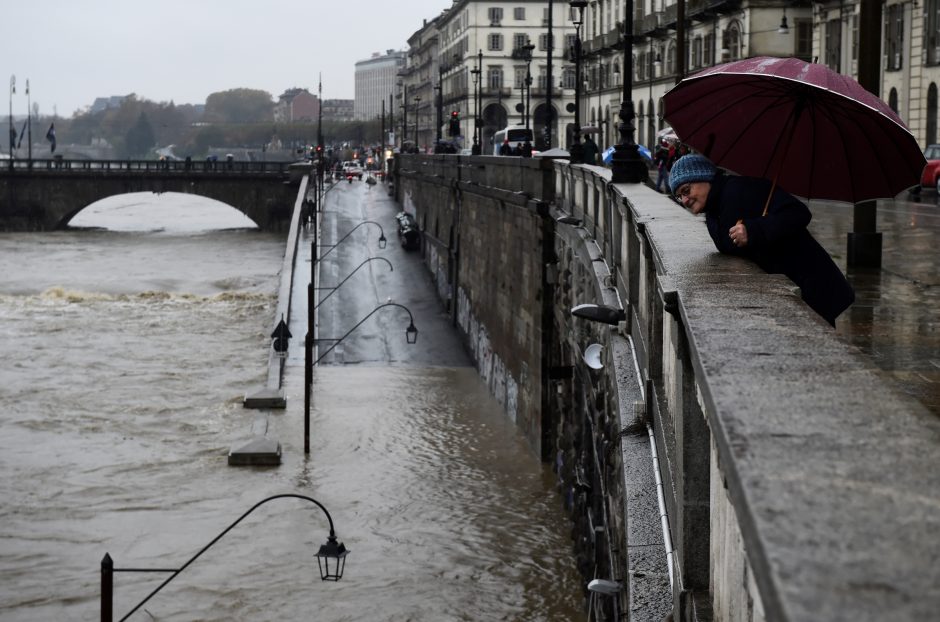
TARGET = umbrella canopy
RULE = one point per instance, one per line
(607, 157)
(667, 134)
(816, 133)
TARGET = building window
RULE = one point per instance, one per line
(932, 32)
(495, 42)
(568, 77)
(543, 41)
(518, 14)
(804, 38)
(495, 15)
(569, 46)
(697, 52)
(671, 58)
(520, 77)
(731, 41)
(519, 40)
(833, 44)
(593, 10)
(894, 36)
(494, 77)
(708, 51)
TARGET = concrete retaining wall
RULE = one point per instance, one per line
(793, 483)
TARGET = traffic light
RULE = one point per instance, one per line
(455, 123)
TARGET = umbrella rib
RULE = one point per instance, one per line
(732, 144)
(848, 118)
(703, 124)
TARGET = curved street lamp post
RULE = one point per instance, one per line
(331, 559)
(311, 336)
(356, 269)
(411, 336)
(411, 333)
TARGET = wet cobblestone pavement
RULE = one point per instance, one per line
(896, 315)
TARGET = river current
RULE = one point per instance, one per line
(128, 346)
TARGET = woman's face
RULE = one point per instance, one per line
(693, 195)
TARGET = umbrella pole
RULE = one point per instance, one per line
(786, 148)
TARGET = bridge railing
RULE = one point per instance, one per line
(797, 483)
(155, 167)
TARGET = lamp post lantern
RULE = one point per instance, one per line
(577, 17)
(626, 165)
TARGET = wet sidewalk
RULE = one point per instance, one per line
(896, 316)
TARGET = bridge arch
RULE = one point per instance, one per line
(39, 199)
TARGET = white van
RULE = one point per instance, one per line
(517, 134)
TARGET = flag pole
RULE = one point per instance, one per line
(29, 126)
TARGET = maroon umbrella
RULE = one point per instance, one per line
(816, 133)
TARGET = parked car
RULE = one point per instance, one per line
(930, 178)
(408, 233)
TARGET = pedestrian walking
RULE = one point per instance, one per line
(590, 150)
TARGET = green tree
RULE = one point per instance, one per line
(239, 106)
(140, 139)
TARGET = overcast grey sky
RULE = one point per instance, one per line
(73, 51)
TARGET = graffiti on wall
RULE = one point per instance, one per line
(490, 366)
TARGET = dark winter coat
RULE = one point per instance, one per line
(778, 242)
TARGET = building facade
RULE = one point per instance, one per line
(718, 31)
(376, 79)
(297, 106)
(338, 110)
(484, 72)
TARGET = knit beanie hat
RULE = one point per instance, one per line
(690, 168)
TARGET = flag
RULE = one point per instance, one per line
(50, 136)
(22, 133)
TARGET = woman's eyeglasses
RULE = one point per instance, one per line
(684, 191)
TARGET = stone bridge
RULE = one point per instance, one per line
(43, 195)
(726, 456)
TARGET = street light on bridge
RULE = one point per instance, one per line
(626, 165)
(417, 103)
(577, 17)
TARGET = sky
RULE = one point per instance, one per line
(73, 51)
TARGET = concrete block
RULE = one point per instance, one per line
(259, 451)
(266, 398)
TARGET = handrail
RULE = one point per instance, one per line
(60, 165)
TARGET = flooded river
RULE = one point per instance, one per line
(126, 354)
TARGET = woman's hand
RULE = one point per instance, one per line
(738, 235)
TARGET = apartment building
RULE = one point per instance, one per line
(475, 57)
(376, 78)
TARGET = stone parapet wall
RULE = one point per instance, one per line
(792, 482)
(798, 484)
